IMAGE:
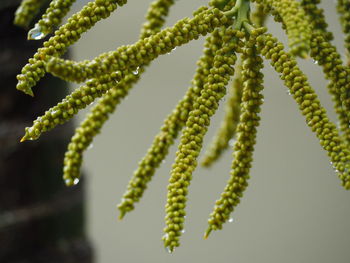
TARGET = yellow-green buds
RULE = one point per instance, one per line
(326, 55)
(192, 137)
(69, 106)
(27, 11)
(343, 8)
(51, 18)
(246, 136)
(155, 17)
(233, 30)
(65, 36)
(309, 104)
(229, 124)
(316, 17)
(143, 51)
(293, 18)
(170, 129)
(90, 127)
(94, 121)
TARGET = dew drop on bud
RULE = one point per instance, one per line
(231, 142)
(36, 33)
(76, 181)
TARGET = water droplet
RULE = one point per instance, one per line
(172, 50)
(230, 220)
(90, 146)
(183, 231)
(232, 142)
(54, 113)
(68, 182)
(136, 71)
(76, 181)
(315, 62)
(338, 124)
(288, 92)
(30, 130)
(169, 250)
(46, 21)
(35, 33)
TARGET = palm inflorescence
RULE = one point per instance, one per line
(236, 42)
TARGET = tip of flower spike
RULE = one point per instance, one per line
(29, 92)
(24, 138)
(121, 215)
(169, 249)
(207, 233)
(205, 162)
(24, 87)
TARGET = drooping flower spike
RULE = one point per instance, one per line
(170, 129)
(316, 17)
(325, 54)
(231, 30)
(252, 99)
(292, 16)
(228, 126)
(193, 134)
(99, 114)
(309, 104)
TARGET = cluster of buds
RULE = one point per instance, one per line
(236, 42)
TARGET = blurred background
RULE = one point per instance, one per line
(294, 209)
